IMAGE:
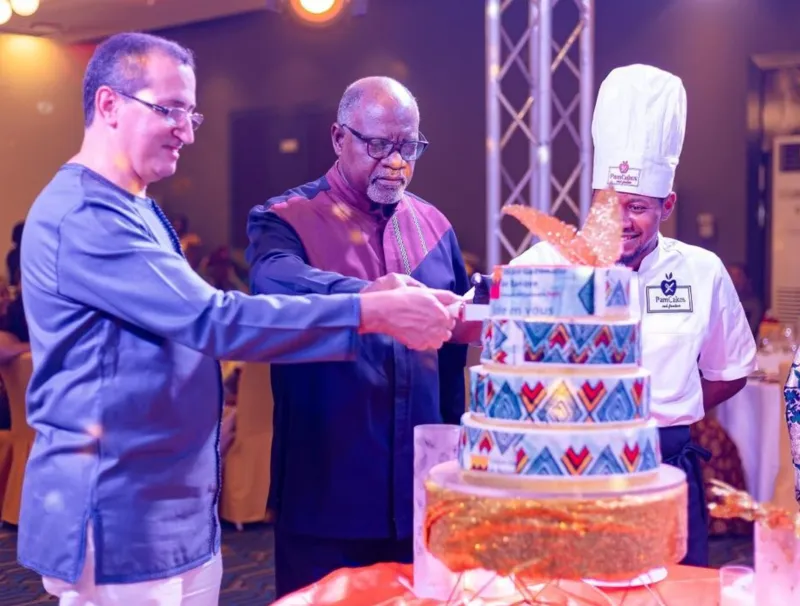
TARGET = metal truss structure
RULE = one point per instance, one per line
(531, 158)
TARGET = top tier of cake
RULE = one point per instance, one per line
(520, 291)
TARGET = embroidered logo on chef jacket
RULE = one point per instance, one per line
(669, 297)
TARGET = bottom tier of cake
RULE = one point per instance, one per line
(608, 535)
(574, 452)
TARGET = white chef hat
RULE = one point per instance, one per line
(638, 129)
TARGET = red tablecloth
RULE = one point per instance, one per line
(387, 585)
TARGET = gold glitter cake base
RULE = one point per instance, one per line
(608, 536)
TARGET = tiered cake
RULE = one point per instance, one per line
(559, 472)
(561, 392)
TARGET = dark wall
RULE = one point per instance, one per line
(266, 61)
(708, 43)
(436, 47)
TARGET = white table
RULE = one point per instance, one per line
(753, 419)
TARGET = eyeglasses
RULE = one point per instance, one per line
(174, 115)
(379, 148)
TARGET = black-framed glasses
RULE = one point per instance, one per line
(379, 148)
(175, 115)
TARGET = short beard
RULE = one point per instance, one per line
(628, 260)
(639, 254)
(381, 195)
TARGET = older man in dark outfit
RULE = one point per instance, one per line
(342, 468)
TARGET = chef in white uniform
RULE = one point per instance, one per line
(696, 341)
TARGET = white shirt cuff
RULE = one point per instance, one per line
(732, 373)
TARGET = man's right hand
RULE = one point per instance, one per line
(392, 281)
(416, 317)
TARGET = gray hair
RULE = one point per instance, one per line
(118, 63)
(354, 93)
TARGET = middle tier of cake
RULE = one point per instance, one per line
(581, 394)
(527, 450)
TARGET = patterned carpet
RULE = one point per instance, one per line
(249, 568)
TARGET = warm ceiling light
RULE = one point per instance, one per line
(318, 11)
(25, 8)
(317, 7)
(5, 12)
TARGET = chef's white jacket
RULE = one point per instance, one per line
(692, 322)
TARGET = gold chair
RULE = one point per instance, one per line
(16, 376)
(246, 470)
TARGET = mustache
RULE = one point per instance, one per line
(393, 177)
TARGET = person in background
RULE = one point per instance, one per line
(12, 258)
(11, 303)
(343, 431)
(16, 323)
(10, 348)
(752, 305)
(220, 270)
(5, 301)
(191, 243)
(696, 341)
(119, 502)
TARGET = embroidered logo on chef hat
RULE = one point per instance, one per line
(624, 176)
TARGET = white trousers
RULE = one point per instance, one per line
(196, 587)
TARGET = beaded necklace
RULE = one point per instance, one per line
(173, 235)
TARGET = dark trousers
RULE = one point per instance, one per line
(301, 560)
(678, 450)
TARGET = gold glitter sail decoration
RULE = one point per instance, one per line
(739, 504)
(598, 244)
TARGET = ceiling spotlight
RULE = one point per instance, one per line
(317, 7)
(25, 8)
(317, 11)
(5, 12)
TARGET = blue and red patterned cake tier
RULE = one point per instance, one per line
(579, 397)
(526, 342)
(571, 292)
(538, 451)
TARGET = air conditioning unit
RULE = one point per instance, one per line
(785, 279)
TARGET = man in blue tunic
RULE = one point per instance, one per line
(119, 503)
(343, 466)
